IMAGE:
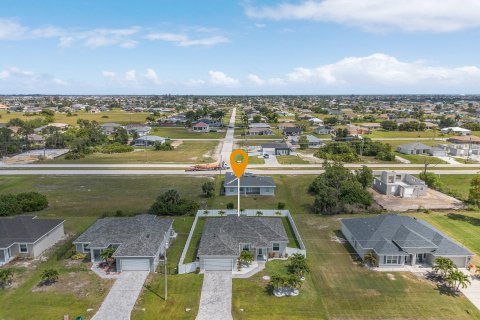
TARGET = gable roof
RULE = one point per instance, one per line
(222, 236)
(201, 124)
(139, 236)
(248, 180)
(414, 146)
(401, 235)
(276, 145)
(25, 229)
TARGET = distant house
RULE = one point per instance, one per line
(223, 239)
(324, 130)
(316, 121)
(397, 241)
(438, 152)
(140, 129)
(284, 125)
(201, 127)
(313, 142)
(55, 125)
(370, 126)
(399, 184)
(249, 185)
(456, 130)
(27, 236)
(259, 125)
(414, 148)
(36, 138)
(109, 128)
(139, 242)
(260, 132)
(356, 130)
(292, 131)
(276, 148)
(465, 140)
(148, 140)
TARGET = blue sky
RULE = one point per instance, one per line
(240, 47)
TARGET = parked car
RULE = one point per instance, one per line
(266, 156)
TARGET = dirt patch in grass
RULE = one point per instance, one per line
(77, 283)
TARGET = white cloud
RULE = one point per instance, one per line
(385, 71)
(16, 76)
(380, 15)
(132, 77)
(195, 82)
(255, 79)
(152, 76)
(183, 40)
(221, 79)
(11, 29)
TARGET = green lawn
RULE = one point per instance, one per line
(255, 160)
(195, 242)
(458, 183)
(420, 159)
(117, 116)
(291, 160)
(396, 143)
(406, 134)
(184, 133)
(187, 152)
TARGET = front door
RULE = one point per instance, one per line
(420, 258)
(8, 254)
(259, 253)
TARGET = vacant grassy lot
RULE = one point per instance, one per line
(255, 160)
(420, 159)
(118, 116)
(187, 152)
(459, 183)
(184, 133)
(291, 160)
(406, 134)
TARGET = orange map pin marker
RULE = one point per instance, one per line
(238, 162)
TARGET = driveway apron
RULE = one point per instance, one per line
(216, 298)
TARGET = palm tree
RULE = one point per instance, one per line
(246, 256)
(294, 282)
(371, 258)
(221, 213)
(107, 255)
(277, 281)
(456, 279)
(49, 276)
(443, 266)
(171, 197)
(259, 213)
(298, 264)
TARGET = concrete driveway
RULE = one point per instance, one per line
(216, 298)
(271, 161)
(119, 303)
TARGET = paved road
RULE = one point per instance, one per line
(227, 146)
(119, 303)
(216, 298)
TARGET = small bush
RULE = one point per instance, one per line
(79, 256)
(74, 155)
(230, 205)
(104, 117)
(11, 204)
(281, 205)
(115, 148)
(49, 276)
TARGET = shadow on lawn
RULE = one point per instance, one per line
(464, 218)
(149, 288)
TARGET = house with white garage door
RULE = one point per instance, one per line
(224, 238)
(140, 242)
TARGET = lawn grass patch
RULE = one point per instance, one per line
(255, 160)
(185, 133)
(291, 160)
(406, 134)
(192, 250)
(420, 159)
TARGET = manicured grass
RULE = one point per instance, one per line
(419, 159)
(291, 160)
(117, 116)
(195, 242)
(184, 133)
(406, 134)
(462, 160)
(396, 143)
(187, 152)
(458, 183)
(277, 134)
(292, 240)
(255, 160)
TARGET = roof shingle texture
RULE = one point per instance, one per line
(248, 180)
(24, 229)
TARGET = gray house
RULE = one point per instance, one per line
(414, 148)
(313, 142)
(224, 238)
(249, 185)
(148, 140)
(401, 240)
(109, 128)
(27, 236)
(276, 148)
(399, 184)
(139, 242)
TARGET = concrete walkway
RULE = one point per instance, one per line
(472, 292)
(216, 298)
(119, 303)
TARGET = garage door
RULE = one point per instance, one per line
(135, 264)
(218, 264)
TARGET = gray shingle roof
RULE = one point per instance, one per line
(248, 180)
(139, 236)
(414, 146)
(400, 235)
(276, 145)
(222, 236)
(24, 229)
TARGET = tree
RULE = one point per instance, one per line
(443, 266)
(389, 125)
(298, 264)
(246, 257)
(166, 146)
(431, 179)
(120, 135)
(474, 193)
(303, 142)
(330, 121)
(257, 118)
(6, 276)
(446, 122)
(370, 258)
(208, 189)
(171, 204)
(107, 255)
(456, 279)
(49, 276)
(293, 281)
(281, 205)
(277, 281)
(365, 176)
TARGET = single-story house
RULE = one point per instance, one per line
(313, 142)
(284, 125)
(456, 130)
(399, 184)
(292, 131)
(401, 240)
(316, 121)
(36, 138)
(324, 130)
(201, 127)
(249, 185)
(260, 132)
(414, 148)
(140, 242)
(109, 128)
(371, 125)
(140, 129)
(276, 148)
(148, 140)
(356, 130)
(438, 152)
(259, 125)
(56, 125)
(27, 236)
(223, 239)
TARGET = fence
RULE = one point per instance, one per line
(188, 267)
(181, 266)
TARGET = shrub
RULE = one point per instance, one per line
(281, 205)
(6, 276)
(115, 148)
(11, 204)
(79, 256)
(49, 276)
(166, 146)
(230, 205)
(74, 155)
(208, 189)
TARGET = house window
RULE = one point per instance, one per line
(276, 246)
(23, 248)
(232, 190)
(246, 247)
(84, 247)
(391, 260)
